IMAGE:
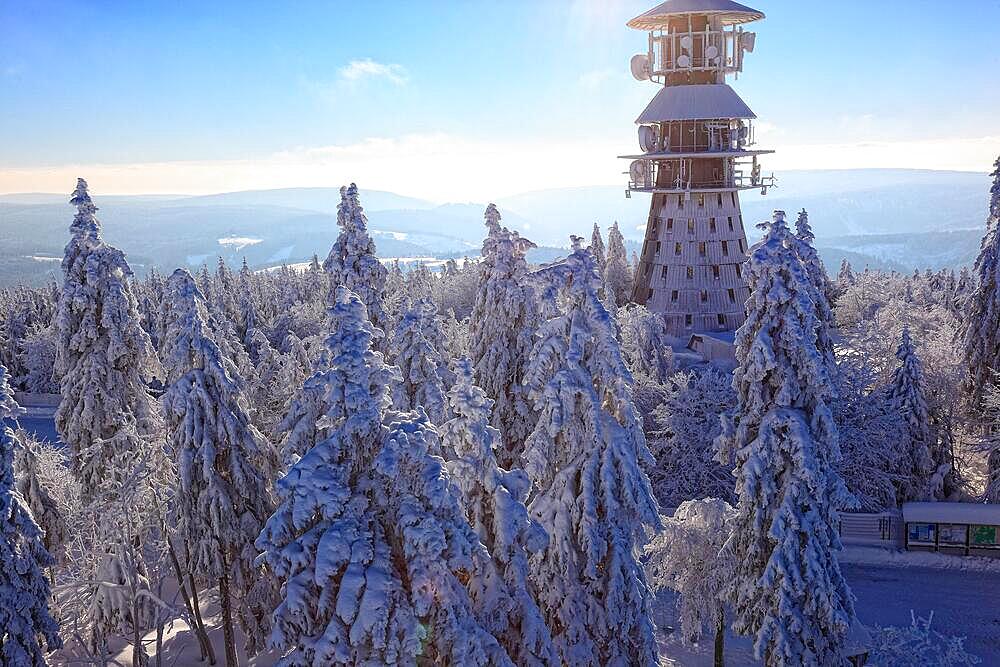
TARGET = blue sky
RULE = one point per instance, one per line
(459, 100)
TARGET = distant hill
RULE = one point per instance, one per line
(895, 219)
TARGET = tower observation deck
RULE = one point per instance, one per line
(698, 153)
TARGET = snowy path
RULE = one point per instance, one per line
(964, 603)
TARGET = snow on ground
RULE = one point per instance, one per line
(961, 592)
(239, 242)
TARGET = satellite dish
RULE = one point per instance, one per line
(639, 172)
(640, 67)
(748, 40)
(686, 42)
(647, 138)
(683, 61)
(712, 52)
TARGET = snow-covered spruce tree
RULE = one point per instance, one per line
(907, 393)
(788, 591)
(44, 508)
(618, 274)
(352, 261)
(369, 538)
(494, 499)
(687, 556)
(683, 441)
(500, 335)
(591, 494)
(24, 591)
(980, 323)
(224, 464)
(644, 342)
(419, 361)
(823, 290)
(597, 249)
(104, 356)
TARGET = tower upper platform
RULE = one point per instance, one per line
(726, 11)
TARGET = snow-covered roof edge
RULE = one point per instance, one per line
(970, 513)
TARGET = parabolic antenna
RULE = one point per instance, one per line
(638, 171)
(686, 42)
(647, 138)
(640, 67)
(711, 52)
(683, 61)
(748, 40)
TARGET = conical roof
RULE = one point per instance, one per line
(731, 13)
(695, 102)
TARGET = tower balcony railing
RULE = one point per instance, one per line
(698, 50)
(741, 176)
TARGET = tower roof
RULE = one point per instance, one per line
(729, 12)
(695, 102)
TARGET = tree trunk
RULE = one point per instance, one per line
(200, 623)
(204, 645)
(229, 637)
(720, 641)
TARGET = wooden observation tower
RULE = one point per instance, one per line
(697, 142)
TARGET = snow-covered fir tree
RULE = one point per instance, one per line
(352, 261)
(104, 355)
(688, 556)
(907, 393)
(644, 342)
(980, 329)
(44, 508)
(823, 290)
(500, 334)
(597, 248)
(618, 273)
(591, 494)
(25, 620)
(420, 363)
(788, 590)
(494, 499)
(224, 464)
(371, 543)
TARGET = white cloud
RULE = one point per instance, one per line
(366, 68)
(439, 167)
(446, 167)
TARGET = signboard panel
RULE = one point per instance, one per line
(985, 536)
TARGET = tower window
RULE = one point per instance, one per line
(663, 273)
(655, 227)
(741, 219)
(732, 295)
(704, 296)
(730, 219)
(670, 224)
(690, 273)
(677, 248)
(711, 225)
(739, 272)
(742, 246)
(721, 319)
(680, 201)
(690, 225)
(719, 194)
(733, 195)
(701, 201)
(701, 248)
(688, 320)
(725, 248)
(646, 268)
(715, 271)
(673, 296)
(657, 247)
